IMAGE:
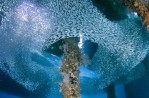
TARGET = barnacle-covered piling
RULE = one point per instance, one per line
(70, 87)
(141, 7)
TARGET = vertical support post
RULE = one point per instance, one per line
(141, 7)
(70, 86)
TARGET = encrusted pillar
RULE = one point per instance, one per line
(141, 7)
(70, 86)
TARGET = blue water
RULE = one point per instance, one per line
(114, 48)
(6, 95)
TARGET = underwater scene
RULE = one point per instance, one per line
(74, 48)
